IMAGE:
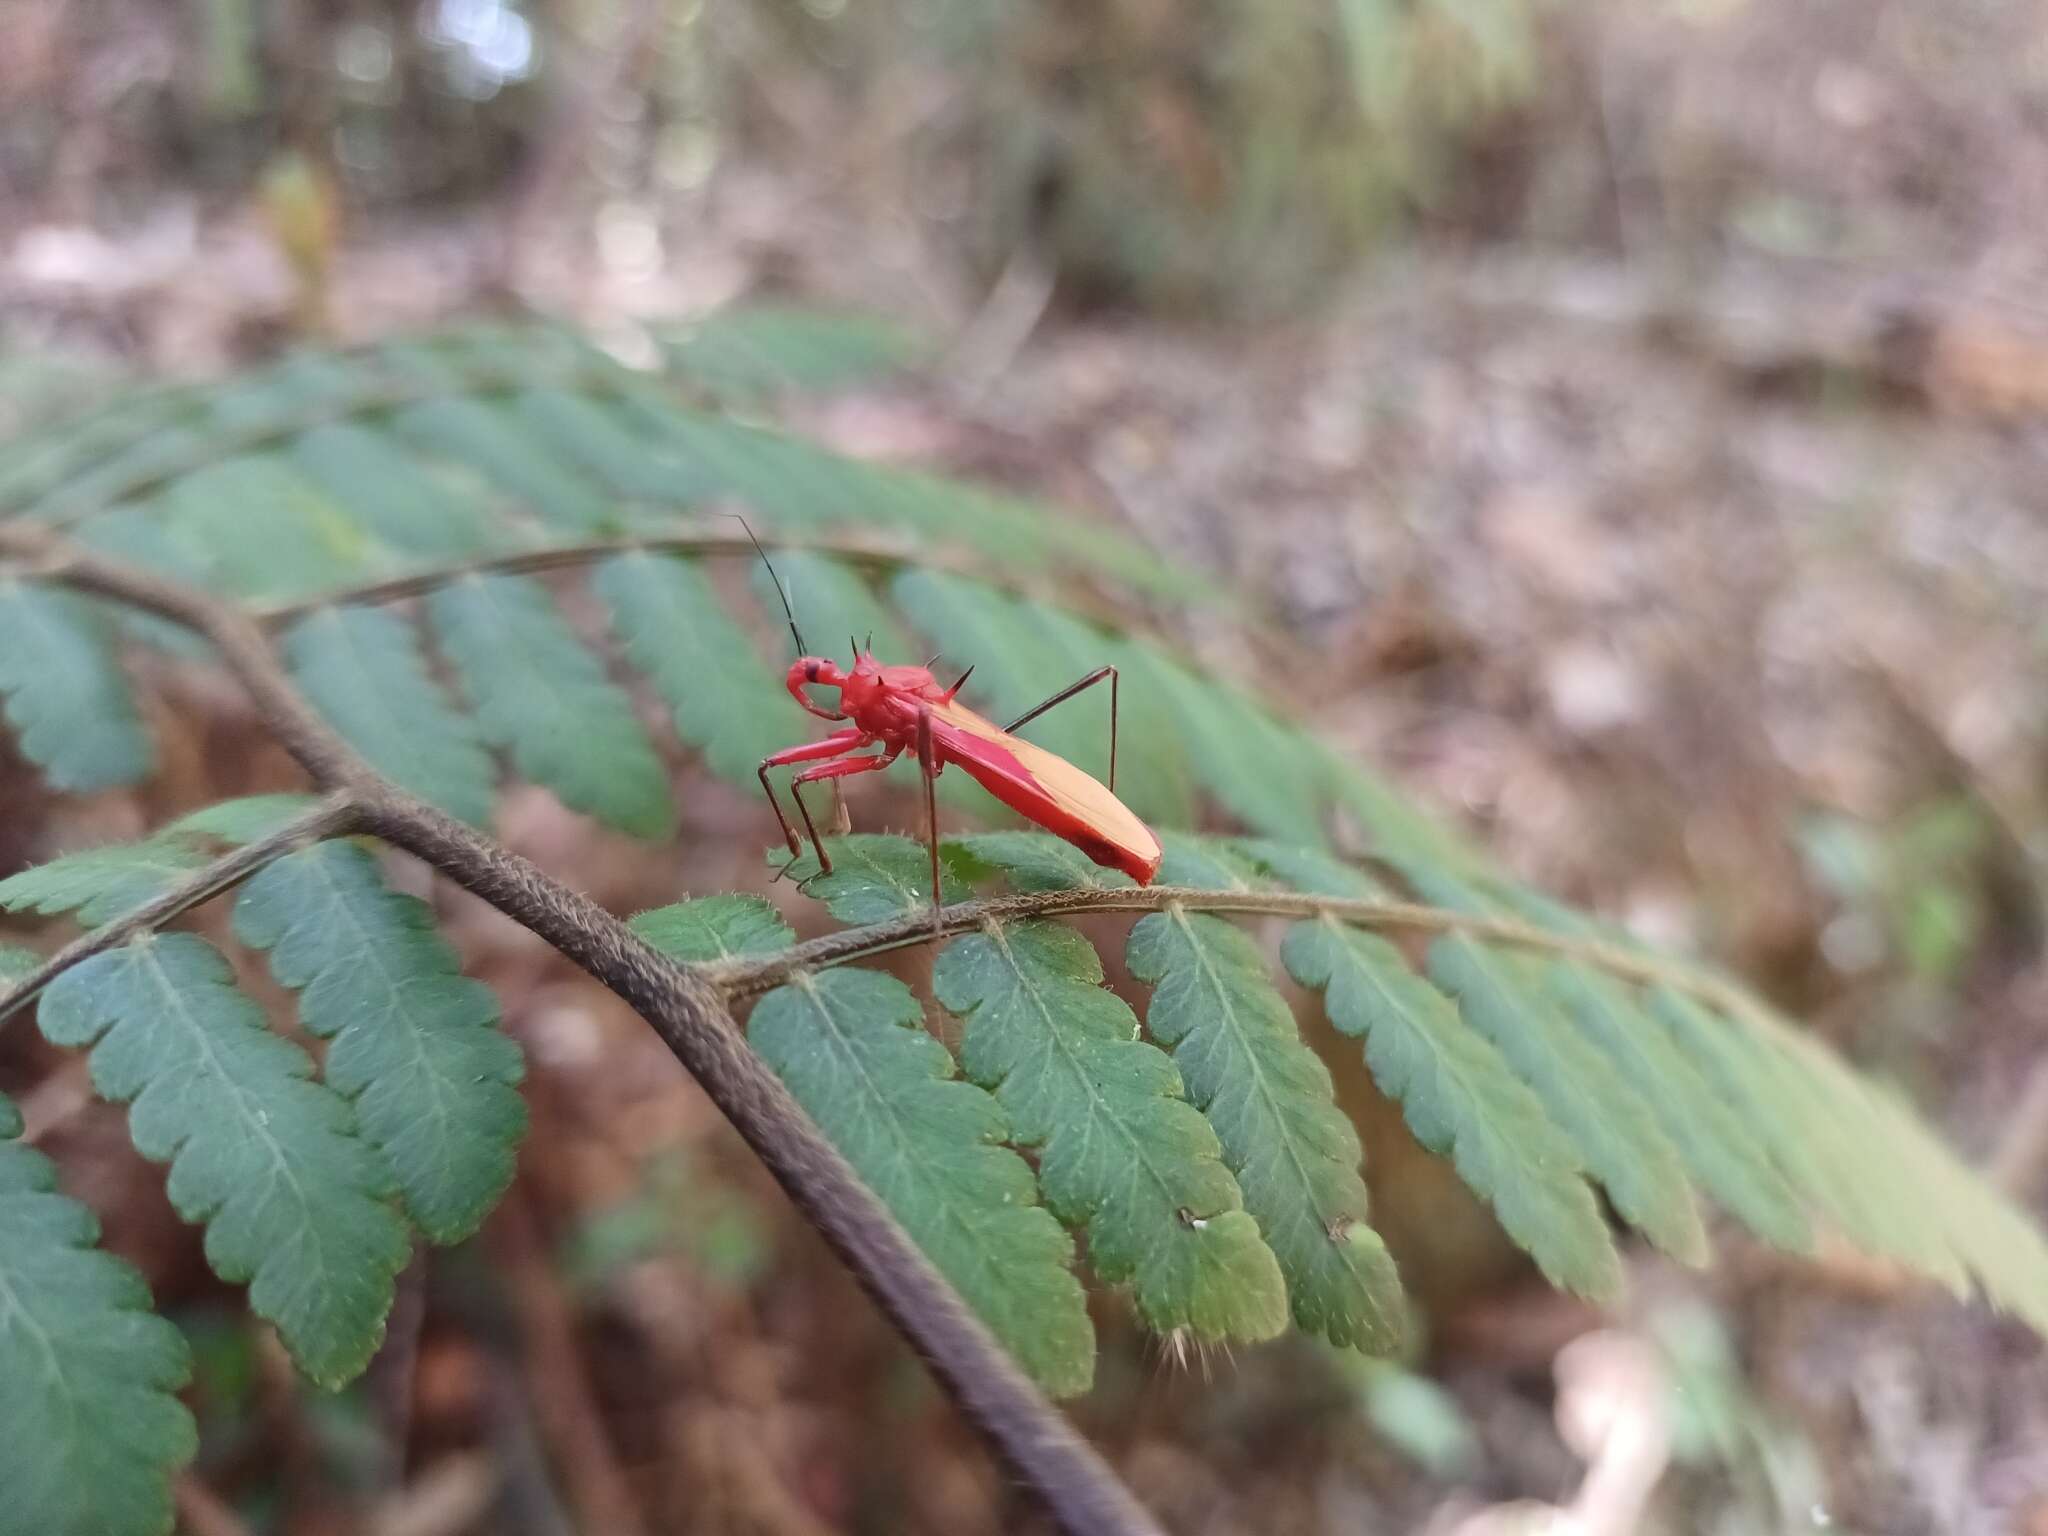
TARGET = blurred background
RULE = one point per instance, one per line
(1633, 419)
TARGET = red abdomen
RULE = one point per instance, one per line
(1046, 789)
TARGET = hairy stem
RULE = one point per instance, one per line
(333, 817)
(690, 1014)
(746, 976)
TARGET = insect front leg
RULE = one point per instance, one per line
(1066, 693)
(834, 745)
(839, 769)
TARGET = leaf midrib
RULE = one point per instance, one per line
(414, 1035)
(512, 633)
(1613, 1121)
(1259, 1075)
(1098, 1107)
(413, 745)
(904, 1147)
(281, 1165)
(52, 1360)
(1446, 1068)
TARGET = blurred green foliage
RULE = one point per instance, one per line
(1774, 1478)
(675, 1211)
(1911, 891)
(1412, 1413)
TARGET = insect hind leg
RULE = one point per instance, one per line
(1081, 685)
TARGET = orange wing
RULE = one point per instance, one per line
(1046, 788)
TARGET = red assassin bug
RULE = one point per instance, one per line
(899, 708)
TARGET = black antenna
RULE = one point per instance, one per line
(780, 590)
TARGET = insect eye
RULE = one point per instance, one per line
(811, 671)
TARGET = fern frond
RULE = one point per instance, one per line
(713, 928)
(601, 438)
(1461, 1100)
(70, 706)
(1500, 996)
(725, 700)
(541, 694)
(1153, 777)
(294, 1203)
(2003, 1249)
(1274, 1108)
(1122, 1154)
(1887, 1186)
(401, 501)
(91, 1428)
(362, 669)
(748, 354)
(833, 603)
(1034, 862)
(1376, 818)
(481, 438)
(299, 543)
(247, 819)
(1503, 994)
(1254, 768)
(875, 876)
(98, 885)
(416, 1044)
(852, 1048)
(353, 468)
(1718, 1147)
(1797, 1127)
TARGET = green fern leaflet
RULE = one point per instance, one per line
(90, 1424)
(294, 1203)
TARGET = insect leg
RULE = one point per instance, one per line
(927, 761)
(839, 768)
(831, 746)
(1067, 693)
